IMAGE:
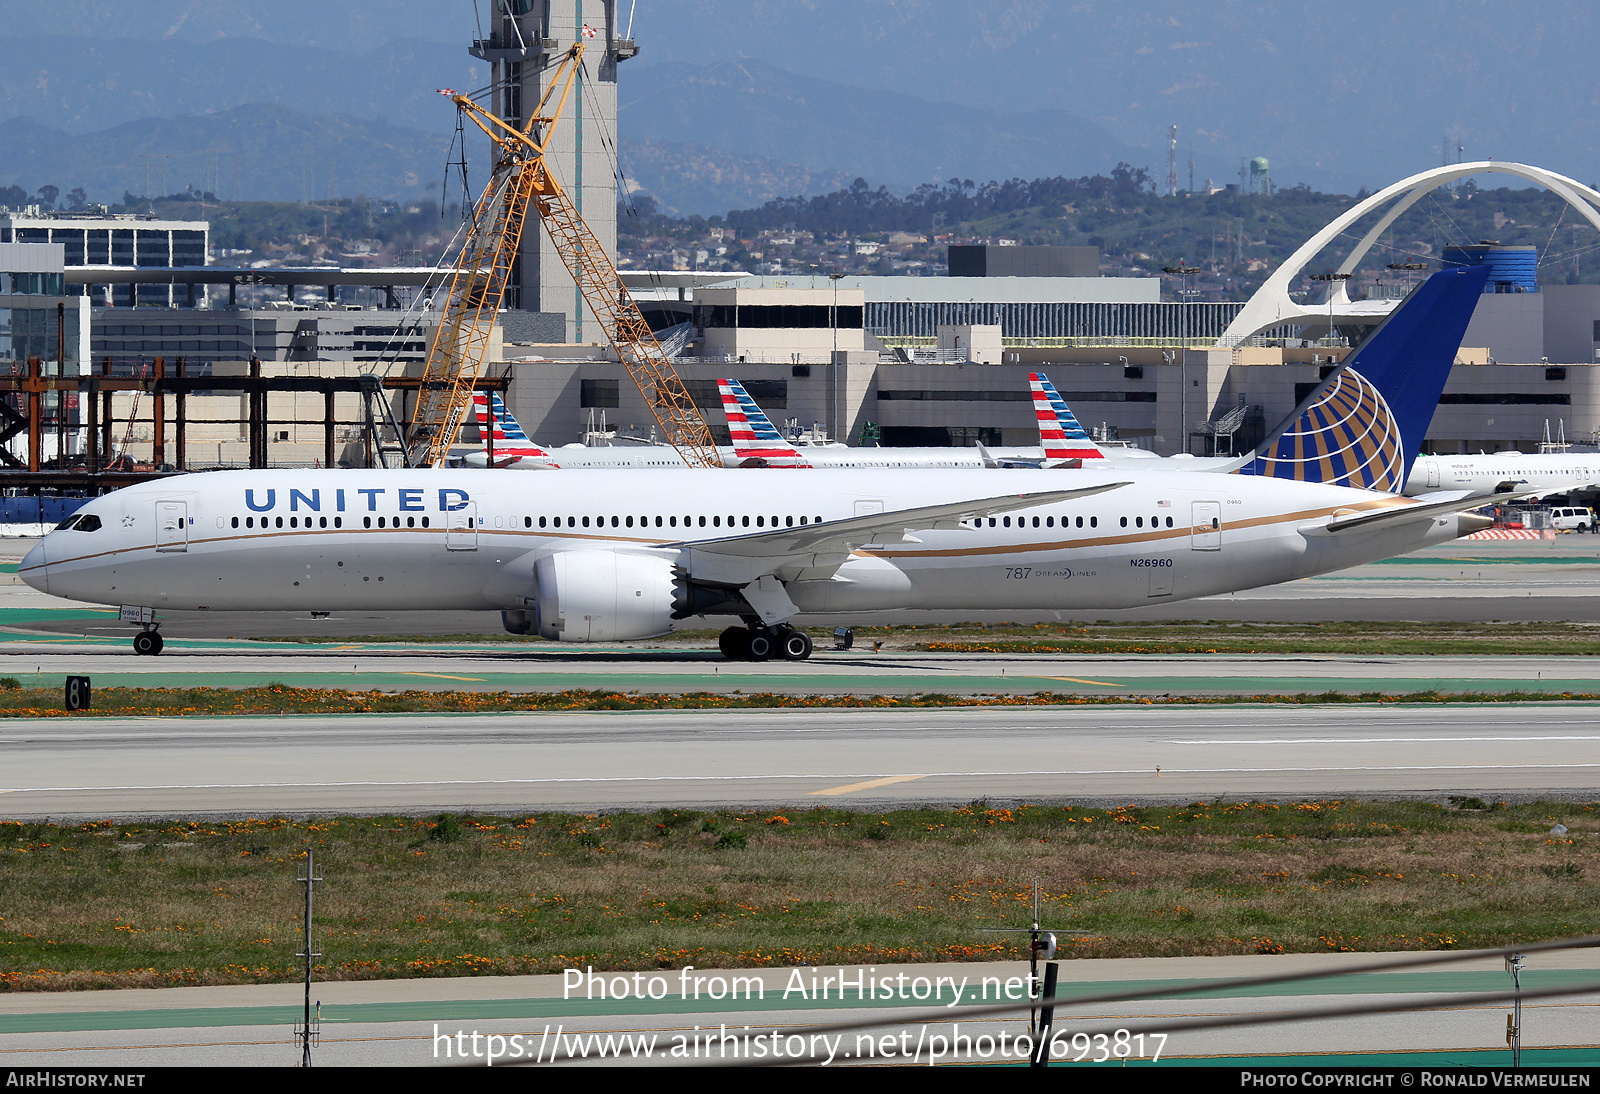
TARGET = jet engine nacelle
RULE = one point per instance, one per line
(603, 596)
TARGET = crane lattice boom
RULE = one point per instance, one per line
(522, 177)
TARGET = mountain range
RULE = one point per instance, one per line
(898, 91)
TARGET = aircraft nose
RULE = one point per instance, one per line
(33, 569)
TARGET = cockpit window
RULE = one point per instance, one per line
(68, 523)
(83, 522)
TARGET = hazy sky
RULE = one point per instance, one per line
(1363, 90)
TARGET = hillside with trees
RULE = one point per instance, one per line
(1234, 239)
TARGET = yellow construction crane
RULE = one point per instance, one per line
(522, 179)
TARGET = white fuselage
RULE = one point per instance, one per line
(320, 540)
(1487, 474)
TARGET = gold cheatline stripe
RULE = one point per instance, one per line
(1102, 541)
(1144, 537)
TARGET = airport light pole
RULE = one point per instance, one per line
(1332, 279)
(1183, 271)
(1408, 267)
(834, 360)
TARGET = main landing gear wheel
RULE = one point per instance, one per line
(763, 644)
(760, 645)
(794, 645)
(148, 643)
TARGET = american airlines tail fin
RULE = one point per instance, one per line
(1060, 435)
(1363, 425)
(756, 441)
(510, 442)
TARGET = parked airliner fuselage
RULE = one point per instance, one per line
(1502, 472)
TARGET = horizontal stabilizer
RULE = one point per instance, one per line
(1403, 511)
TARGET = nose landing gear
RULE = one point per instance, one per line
(148, 641)
(764, 643)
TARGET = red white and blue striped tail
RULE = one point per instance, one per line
(752, 432)
(510, 442)
(1060, 435)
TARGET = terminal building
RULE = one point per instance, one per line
(117, 242)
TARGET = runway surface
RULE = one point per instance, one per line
(194, 663)
(43, 639)
(414, 1023)
(866, 758)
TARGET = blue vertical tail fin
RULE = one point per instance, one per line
(1364, 424)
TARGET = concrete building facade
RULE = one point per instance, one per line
(130, 336)
(791, 325)
(118, 241)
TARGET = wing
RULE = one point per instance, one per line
(817, 550)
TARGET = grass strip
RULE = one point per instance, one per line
(165, 903)
(278, 699)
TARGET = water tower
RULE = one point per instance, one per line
(1260, 180)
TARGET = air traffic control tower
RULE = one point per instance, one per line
(527, 39)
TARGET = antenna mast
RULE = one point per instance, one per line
(1172, 162)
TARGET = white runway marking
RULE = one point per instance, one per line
(1368, 740)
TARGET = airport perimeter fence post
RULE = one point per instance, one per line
(1047, 1014)
(1514, 1019)
(309, 1033)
